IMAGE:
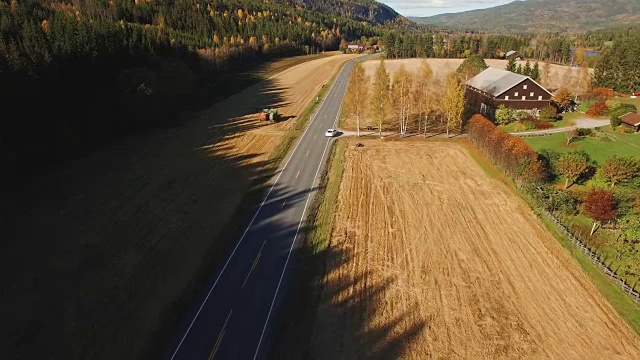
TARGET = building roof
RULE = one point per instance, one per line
(496, 81)
(632, 119)
(509, 53)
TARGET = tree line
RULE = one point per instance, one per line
(618, 67)
(408, 102)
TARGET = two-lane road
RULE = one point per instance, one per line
(236, 317)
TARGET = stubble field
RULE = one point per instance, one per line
(106, 246)
(431, 258)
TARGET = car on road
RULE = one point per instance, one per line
(331, 133)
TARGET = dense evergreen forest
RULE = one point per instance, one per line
(96, 70)
(618, 68)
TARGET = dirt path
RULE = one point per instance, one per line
(107, 245)
(432, 259)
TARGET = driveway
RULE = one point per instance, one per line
(585, 123)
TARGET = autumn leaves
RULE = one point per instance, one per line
(410, 100)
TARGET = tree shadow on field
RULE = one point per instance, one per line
(107, 252)
(334, 314)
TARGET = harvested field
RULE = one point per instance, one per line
(107, 246)
(431, 258)
(559, 75)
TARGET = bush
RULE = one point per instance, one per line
(549, 113)
(529, 125)
(602, 94)
(534, 123)
(583, 132)
(615, 121)
(597, 109)
(612, 105)
(504, 115)
(583, 107)
(553, 200)
(521, 115)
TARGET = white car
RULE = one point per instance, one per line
(331, 133)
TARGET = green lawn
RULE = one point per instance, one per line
(635, 101)
(598, 149)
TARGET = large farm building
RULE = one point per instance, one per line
(494, 87)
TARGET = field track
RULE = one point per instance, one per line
(430, 258)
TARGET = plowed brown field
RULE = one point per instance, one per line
(430, 258)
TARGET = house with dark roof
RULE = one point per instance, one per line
(631, 120)
(494, 87)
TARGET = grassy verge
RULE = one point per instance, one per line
(299, 320)
(620, 301)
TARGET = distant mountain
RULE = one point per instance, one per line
(369, 11)
(542, 15)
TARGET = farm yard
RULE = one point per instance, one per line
(558, 76)
(431, 258)
(129, 230)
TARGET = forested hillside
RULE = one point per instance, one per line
(369, 11)
(543, 16)
(96, 70)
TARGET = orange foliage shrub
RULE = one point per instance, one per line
(597, 109)
(509, 152)
(602, 94)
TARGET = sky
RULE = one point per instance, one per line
(434, 7)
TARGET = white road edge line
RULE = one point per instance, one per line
(249, 226)
(295, 237)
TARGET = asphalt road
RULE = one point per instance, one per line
(237, 317)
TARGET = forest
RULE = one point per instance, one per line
(98, 70)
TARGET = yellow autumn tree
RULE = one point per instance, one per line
(453, 102)
(357, 95)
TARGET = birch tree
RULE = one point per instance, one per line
(357, 95)
(423, 96)
(401, 97)
(380, 97)
(453, 104)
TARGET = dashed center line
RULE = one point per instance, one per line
(297, 174)
(255, 262)
(307, 153)
(219, 340)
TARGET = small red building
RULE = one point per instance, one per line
(631, 120)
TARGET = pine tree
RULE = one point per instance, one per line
(519, 69)
(527, 69)
(511, 65)
(535, 72)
